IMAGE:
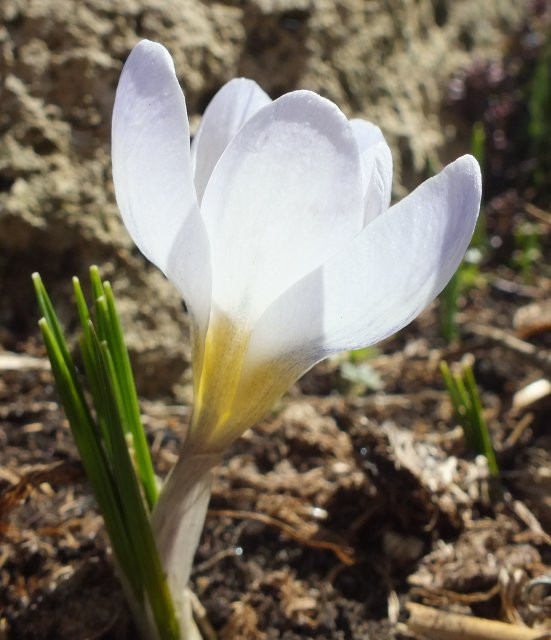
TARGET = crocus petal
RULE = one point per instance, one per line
(408, 255)
(226, 113)
(151, 158)
(391, 271)
(366, 133)
(285, 195)
(377, 167)
(152, 174)
(377, 163)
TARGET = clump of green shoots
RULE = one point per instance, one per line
(466, 404)
(112, 445)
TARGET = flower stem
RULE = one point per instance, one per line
(178, 520)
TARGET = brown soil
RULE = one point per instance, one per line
(325, 519)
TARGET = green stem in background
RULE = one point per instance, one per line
(528, 249)
(466, 404)
(478, 150)
(468, 272)
(125, 497)
(539, 104)
(449, 303)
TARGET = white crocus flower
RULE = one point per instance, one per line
(275, 226)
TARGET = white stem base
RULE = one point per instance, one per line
(177, 521)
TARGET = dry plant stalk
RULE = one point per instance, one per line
(435, 624)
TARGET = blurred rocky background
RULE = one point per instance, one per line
(388, 61)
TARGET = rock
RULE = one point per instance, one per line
(59, 65)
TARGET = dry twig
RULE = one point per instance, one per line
(56, 473)
(539, 214)
(344, 554)
(541, 359)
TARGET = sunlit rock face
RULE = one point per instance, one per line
(60, 63)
